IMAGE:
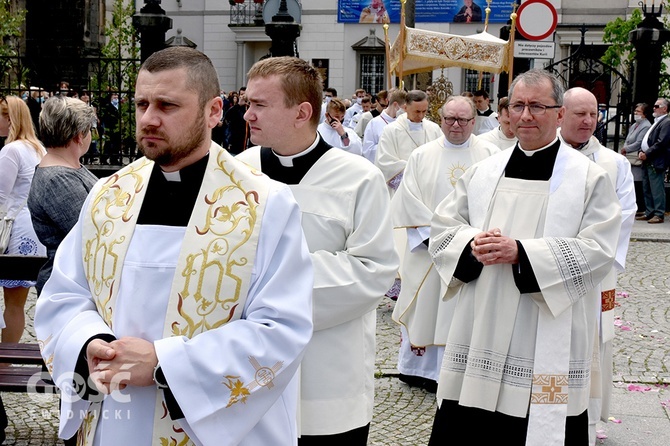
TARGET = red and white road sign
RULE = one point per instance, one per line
(536, 19)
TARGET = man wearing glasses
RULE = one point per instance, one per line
(653, 154)
(523, 242)
(430, 175)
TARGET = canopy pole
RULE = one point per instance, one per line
(486, 29)
(510, 42)
(389, 79)
(401, 40)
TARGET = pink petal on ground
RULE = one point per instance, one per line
(618, 323)
(600, 434)
(614, 420)
(665, 404)
(638, 388)
(625, 328)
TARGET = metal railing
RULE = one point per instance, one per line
(246, 13)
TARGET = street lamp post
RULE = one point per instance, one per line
(152, 23)
(648, 39)
(283, 30)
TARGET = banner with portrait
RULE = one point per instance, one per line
(437, 11)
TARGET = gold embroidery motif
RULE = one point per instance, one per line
(549, 389)
(179, 439)
(238, 392)
(110, 206)
(48, 362)
(217, 261)
(422, 49)
(608, 300)
(264, 375)
(86, 431)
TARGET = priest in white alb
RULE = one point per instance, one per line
(577, 127)
(345, 216)
(501, 136)
(396, 106)
(430, 175)
(335, 133)
(526, 236)
(409, 131)
(179, 306)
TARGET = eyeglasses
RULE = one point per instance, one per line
(461, 121)
(534, 109)
(658, 106)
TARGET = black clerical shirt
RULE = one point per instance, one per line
(170, 203)
(272, 167)
(538, 167)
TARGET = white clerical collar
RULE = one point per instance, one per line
(658, 118)
(175, 176)
(449, 145)
(287, 161)
(172, 176)
(387, 118)
(532, 152)
(415, 126)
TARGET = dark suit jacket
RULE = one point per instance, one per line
(659, 145)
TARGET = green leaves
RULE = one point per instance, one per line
(11, 23)
(621, 53)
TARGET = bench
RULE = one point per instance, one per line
(26, 371)
(21, 366)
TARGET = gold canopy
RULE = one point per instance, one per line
(428, 50)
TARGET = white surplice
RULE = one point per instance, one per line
(396, 144)
(329, 135)
(568, 227)
(619, 170)
(273, 331)
(372, 134)
(345, 216)
(498, 138)
(431, 173)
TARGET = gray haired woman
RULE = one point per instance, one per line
(60, 184)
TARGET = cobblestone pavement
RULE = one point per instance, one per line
(403, 415)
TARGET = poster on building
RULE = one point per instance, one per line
(438, 11)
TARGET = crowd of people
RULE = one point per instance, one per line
(205, 301)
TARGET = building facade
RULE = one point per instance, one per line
(352, 54)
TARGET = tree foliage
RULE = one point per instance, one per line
(621, 53)
(120, 63)
(11, 22)
(122, 46)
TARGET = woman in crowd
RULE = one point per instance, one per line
(18, 159)
(61, 183)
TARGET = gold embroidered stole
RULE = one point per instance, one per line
(215, 262)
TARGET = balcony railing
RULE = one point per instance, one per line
(249, 12)
(246, 13)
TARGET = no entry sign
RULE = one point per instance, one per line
(536, 19)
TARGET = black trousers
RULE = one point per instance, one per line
(355, 437)
(458, 425)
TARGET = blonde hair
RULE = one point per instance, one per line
(299, 81)
(21, 125)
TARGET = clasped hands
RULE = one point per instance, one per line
(126, 361)
(492, 248)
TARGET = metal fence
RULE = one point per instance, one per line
(114, 138)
